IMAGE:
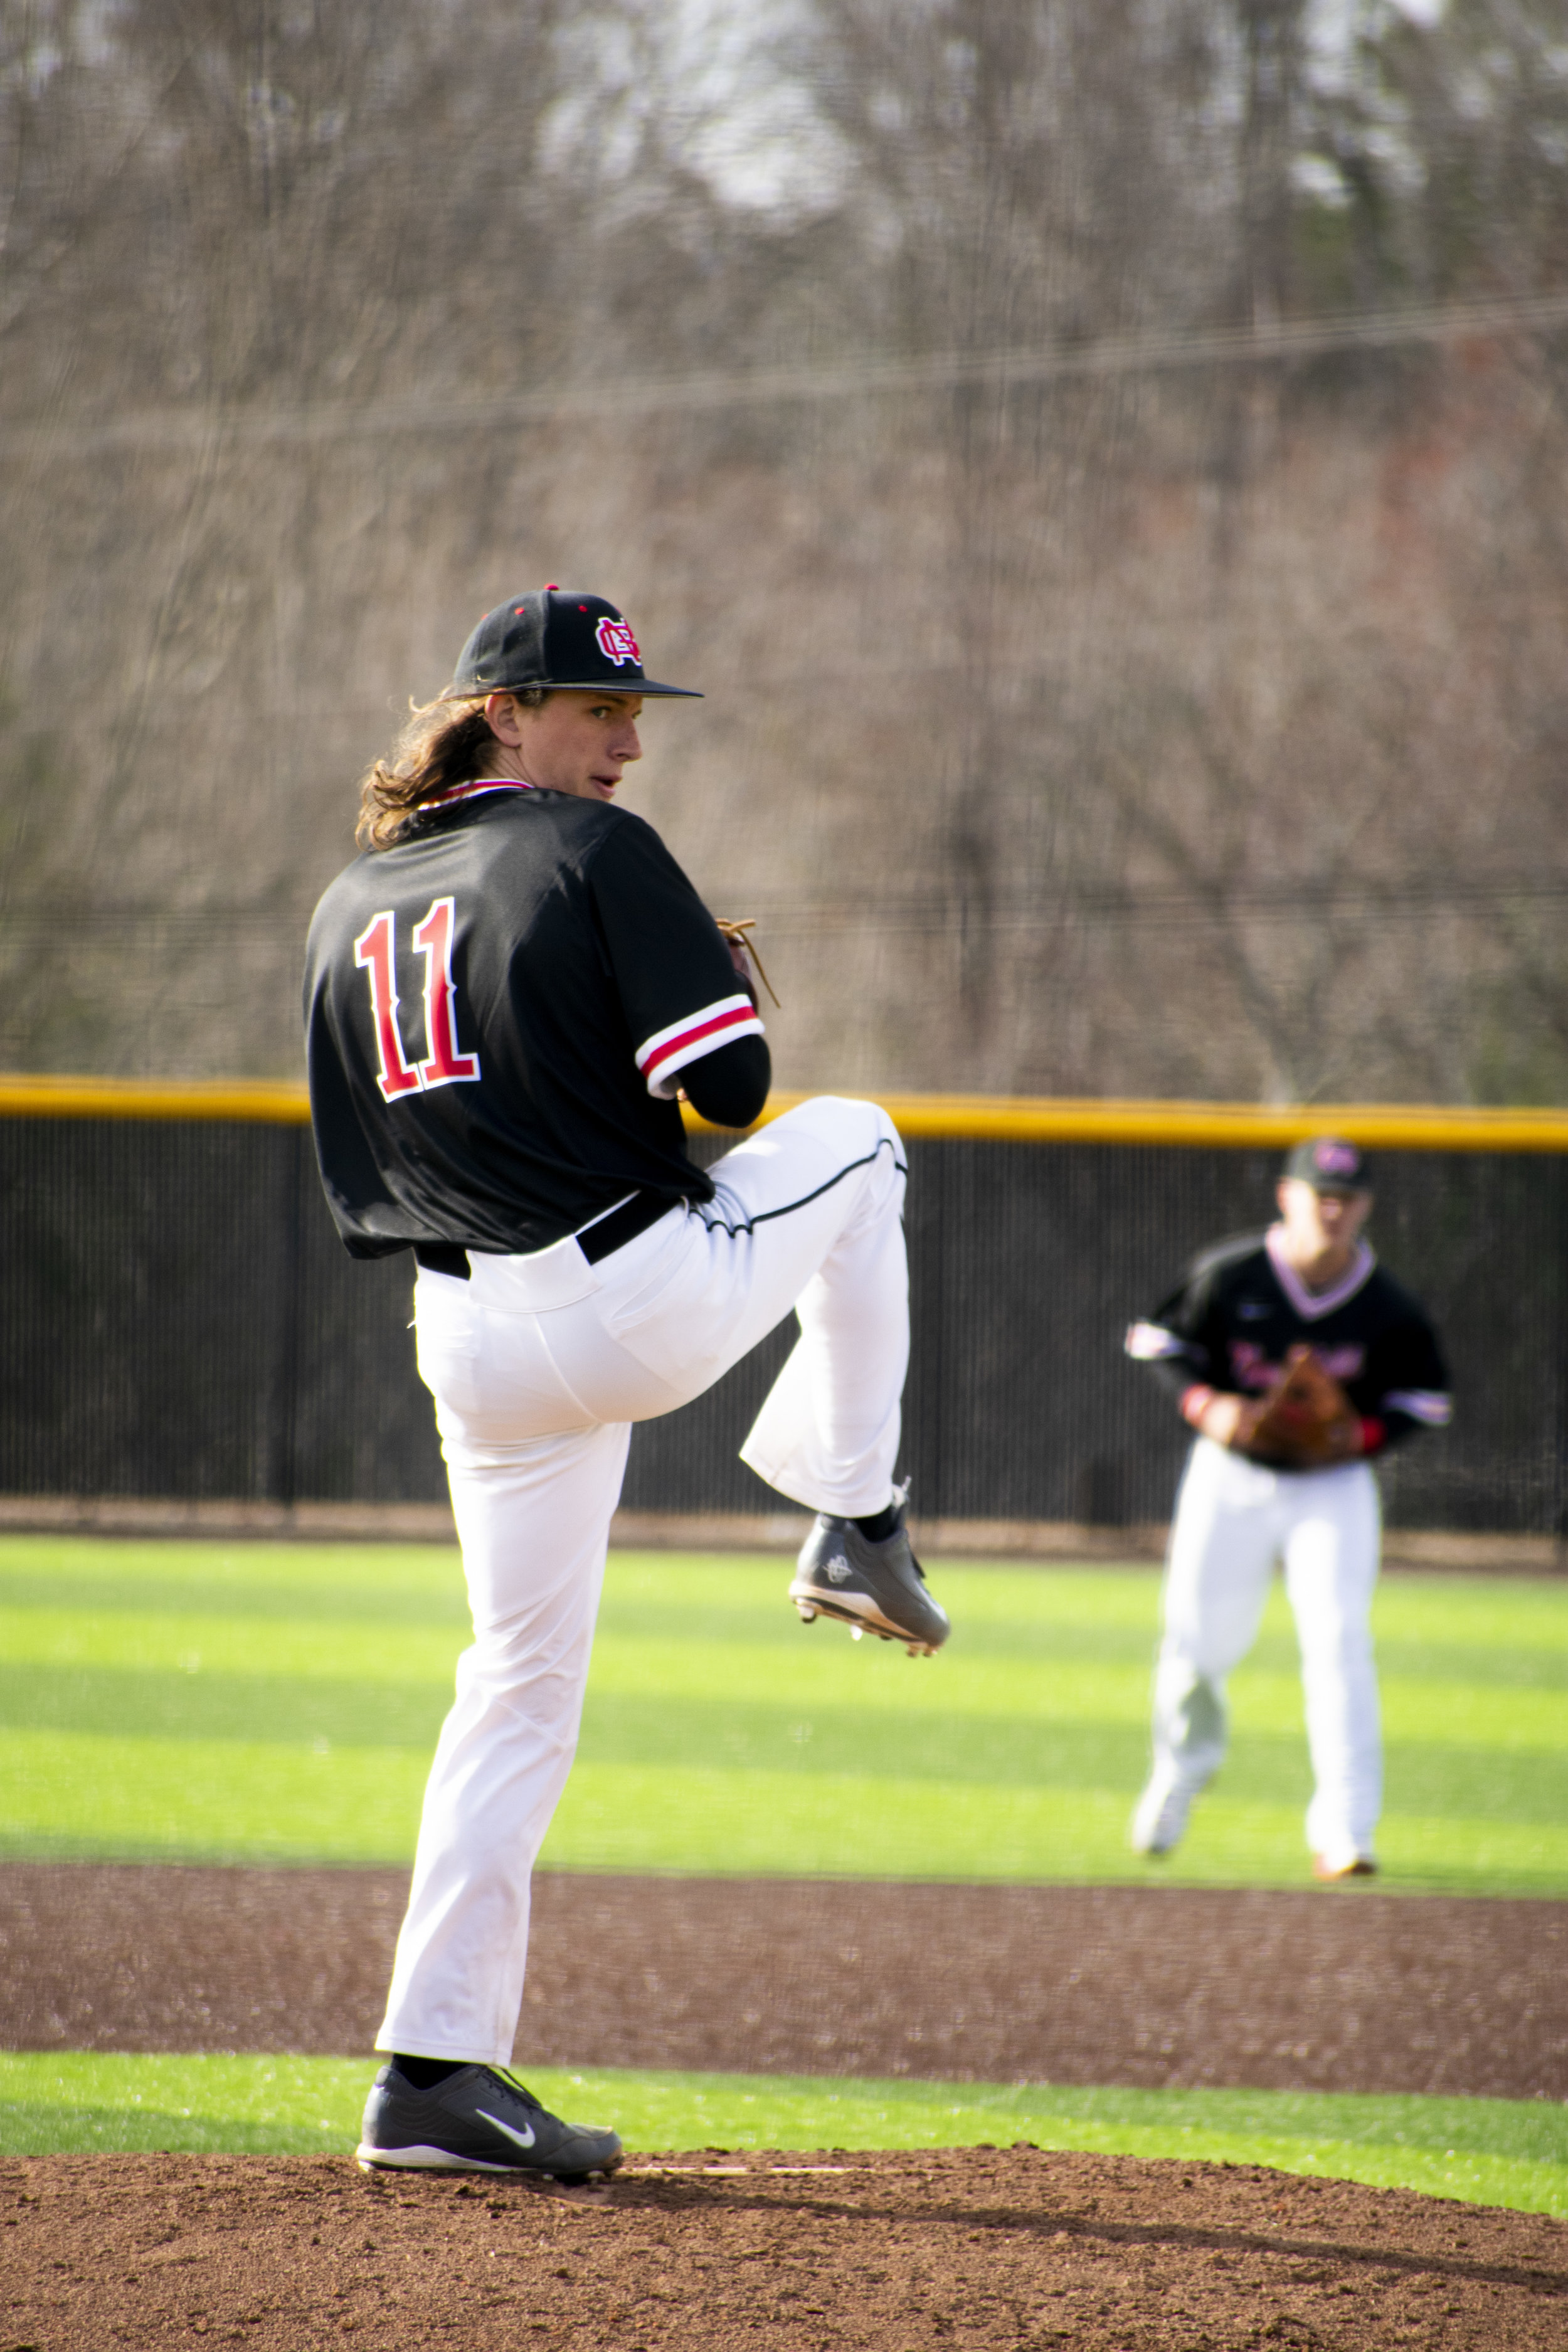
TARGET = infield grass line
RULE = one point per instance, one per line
(1482, 2151)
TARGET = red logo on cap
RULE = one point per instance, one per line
(616, 642)
(1336, 1159)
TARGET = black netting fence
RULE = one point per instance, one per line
(181, 1321)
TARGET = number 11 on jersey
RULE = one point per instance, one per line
(376, 953)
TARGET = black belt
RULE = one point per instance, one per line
(444, 1257)
(595, 1241)
(623, 1225)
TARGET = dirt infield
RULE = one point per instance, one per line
(1009, 2248)
(1327, 1990)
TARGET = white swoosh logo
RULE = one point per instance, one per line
(523, 2139)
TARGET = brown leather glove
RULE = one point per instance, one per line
(1306, 1420)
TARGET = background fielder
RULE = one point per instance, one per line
(1220, 1344)
(504, 996)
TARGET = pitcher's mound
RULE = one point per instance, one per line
(1008, 2248)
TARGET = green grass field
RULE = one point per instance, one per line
(1485, 2151)
(279, 1703)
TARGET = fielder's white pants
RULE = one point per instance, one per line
(538, 1366)
(1233, 1520)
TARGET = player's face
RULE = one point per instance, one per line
(1318, 1222)
(575, 743)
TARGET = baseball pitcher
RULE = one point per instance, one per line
(506, 994)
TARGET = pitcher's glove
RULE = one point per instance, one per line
(742, 948)
(1305, 1423)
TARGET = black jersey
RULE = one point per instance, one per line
(498, 1009)
(1240, 1307)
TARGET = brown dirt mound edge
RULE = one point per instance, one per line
(1335, 1989)
(988, 2248)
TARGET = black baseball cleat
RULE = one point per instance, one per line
(477, 2120)
(877, 1588)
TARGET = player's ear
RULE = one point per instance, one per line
(501, 716)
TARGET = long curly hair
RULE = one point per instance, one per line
(441, 744)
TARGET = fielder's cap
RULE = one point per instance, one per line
(1330, 1164)
(553, 637)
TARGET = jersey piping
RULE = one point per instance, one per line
(765, 1216)
(1312, 1304)
(470, 792)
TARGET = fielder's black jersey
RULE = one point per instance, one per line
(1240, 1307)
(498, 1009)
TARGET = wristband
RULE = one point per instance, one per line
(1373, 1434)
(1195, 1402)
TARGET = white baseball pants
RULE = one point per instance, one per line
(1233, 1519)
(538, 1366)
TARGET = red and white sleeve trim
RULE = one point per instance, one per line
(661, 1057)
(1433, 1406)
(1147, 1343)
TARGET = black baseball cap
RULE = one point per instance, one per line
(1330, 1164)
(553, 637)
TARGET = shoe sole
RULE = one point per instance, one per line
(865, 1615)
(441, 2159)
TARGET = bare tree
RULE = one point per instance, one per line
(1160, 730)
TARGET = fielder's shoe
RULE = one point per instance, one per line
(1161, 1815)
(477, 2120)
(1360, 1865)
(873, 1587)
